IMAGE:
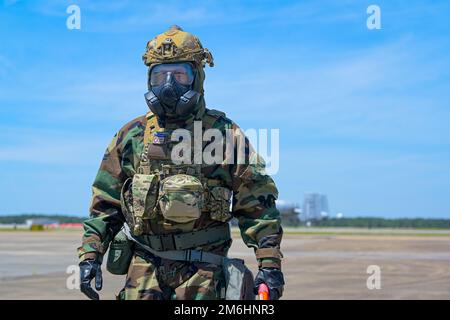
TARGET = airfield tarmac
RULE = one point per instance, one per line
(329, 264)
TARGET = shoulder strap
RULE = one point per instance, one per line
(151, 128)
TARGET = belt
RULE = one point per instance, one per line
(183, 241)
(180, 254)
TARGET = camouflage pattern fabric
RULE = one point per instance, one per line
(253, 191)
(144, 199)
(148, 279)
(176, 45)
(181, 198)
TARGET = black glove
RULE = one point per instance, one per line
(274, 280)
(90, 269)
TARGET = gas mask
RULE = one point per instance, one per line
(170, 92)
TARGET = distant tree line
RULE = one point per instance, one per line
(20, 219)
(362, 222)
(369, 222)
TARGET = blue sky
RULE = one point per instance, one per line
(363, 114)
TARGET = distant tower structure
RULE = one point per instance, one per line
(315, 207)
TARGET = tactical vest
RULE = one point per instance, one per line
(175, 196)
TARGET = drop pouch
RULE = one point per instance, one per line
(120, 254)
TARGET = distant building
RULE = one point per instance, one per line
(315, 207)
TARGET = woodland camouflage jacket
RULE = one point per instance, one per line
(253, 202)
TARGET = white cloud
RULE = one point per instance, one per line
(375, 93)
(44, 146)
(10, 2)
(126, 16)
(87, 94)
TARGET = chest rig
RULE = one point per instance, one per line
(172, 197)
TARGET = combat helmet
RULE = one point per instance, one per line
(174, 45)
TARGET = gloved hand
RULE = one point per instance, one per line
(90, 269)
(274, 280)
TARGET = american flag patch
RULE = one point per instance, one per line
(159, 138)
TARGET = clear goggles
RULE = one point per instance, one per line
(182, 73)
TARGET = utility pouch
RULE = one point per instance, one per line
(239, 280)
(138, 200)
(181, 198)
(120, 254)
(219, 204)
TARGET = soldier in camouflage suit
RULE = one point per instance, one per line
(144, 143)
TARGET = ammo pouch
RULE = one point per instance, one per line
(120, 254)
(239, 280)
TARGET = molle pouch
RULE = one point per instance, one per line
(219, 204)
(181, 198)
(239, 280)
(138, 200)
(120, 254)
(126, 202)
(144, 190)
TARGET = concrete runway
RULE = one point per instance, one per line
(34, 265)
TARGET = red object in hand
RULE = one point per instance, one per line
(263, 292)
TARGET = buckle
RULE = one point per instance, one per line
(167, 242)
(194, 255)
